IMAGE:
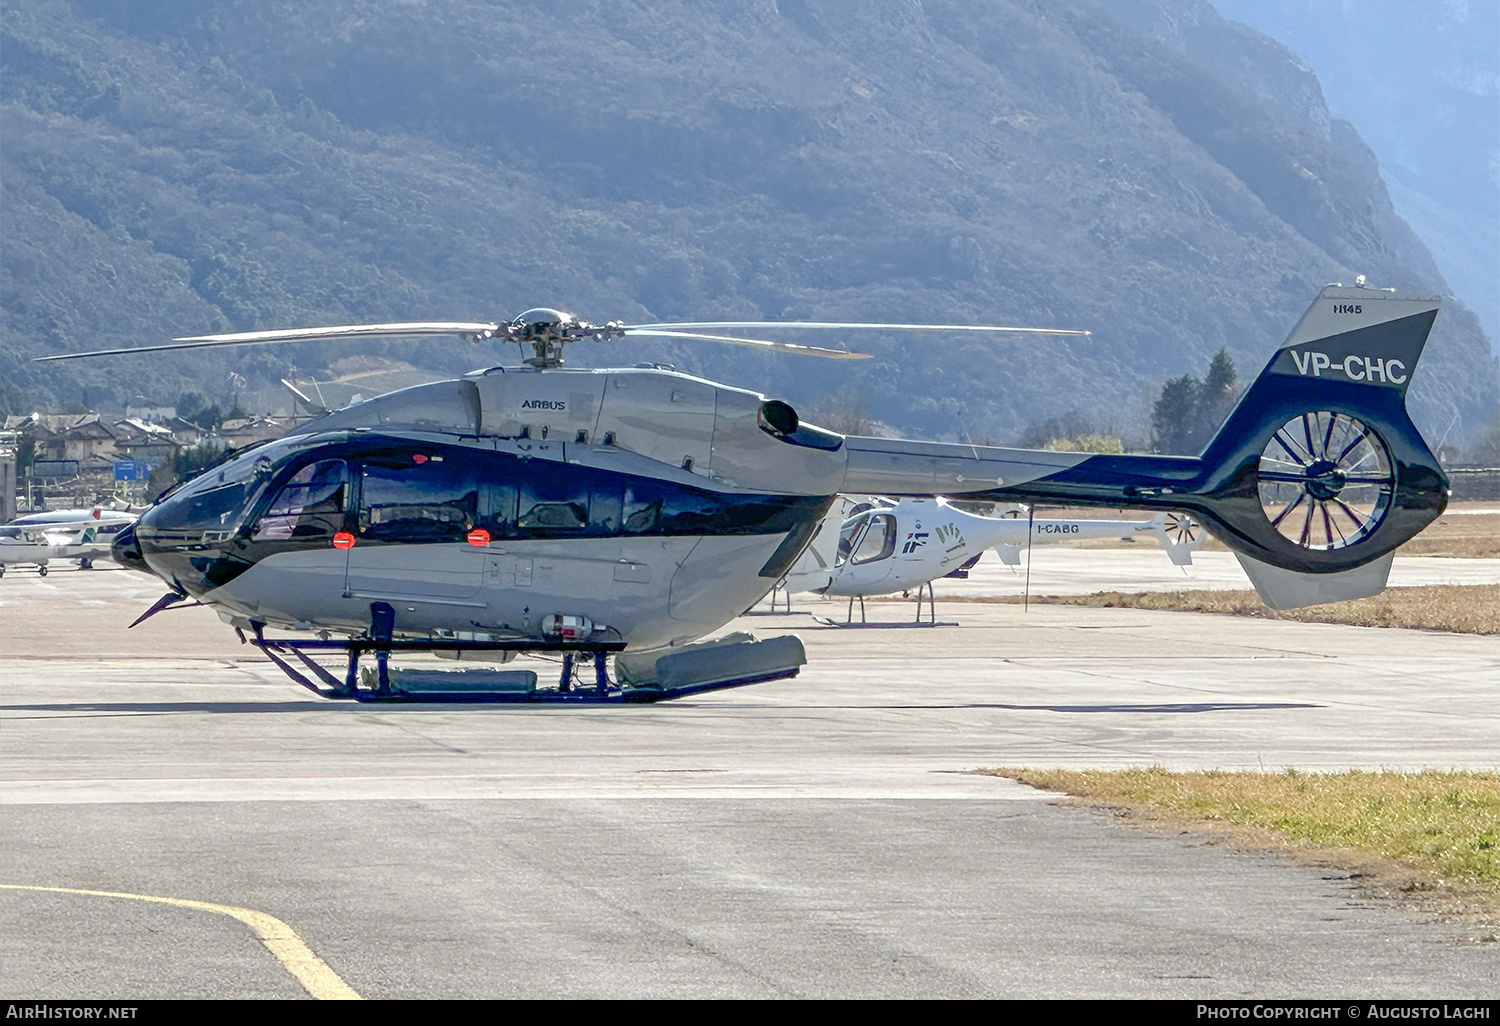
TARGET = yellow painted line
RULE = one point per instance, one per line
(280, 939)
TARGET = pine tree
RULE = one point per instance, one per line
(1221, 389)
(1174, 414)
(1188, 412)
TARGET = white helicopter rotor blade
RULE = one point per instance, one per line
(351, 331)
(788, 347)
(258, 338)
(847, 325)
(483, 330)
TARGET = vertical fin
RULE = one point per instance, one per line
(1288, 589)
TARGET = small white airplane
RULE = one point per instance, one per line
(81, 534)
(878, 547)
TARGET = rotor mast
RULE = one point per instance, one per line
(548, 331)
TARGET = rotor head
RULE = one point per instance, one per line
(547, 331)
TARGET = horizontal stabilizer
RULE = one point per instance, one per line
(1288, 589)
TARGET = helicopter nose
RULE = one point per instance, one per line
(126, 551)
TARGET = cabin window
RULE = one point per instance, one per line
(310, 506)
(554, 502)
(441, 493)
(568, 516)
(605, 506)
(501, 521)
(848, 535)
(426, 500)
(212, 508)
(878, 542)
(642, 508)
(690, 511)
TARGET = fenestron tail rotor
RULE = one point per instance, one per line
(1326, 480)
(548, 331)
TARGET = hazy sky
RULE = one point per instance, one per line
(1421, 82)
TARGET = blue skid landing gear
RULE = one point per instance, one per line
(454, 686)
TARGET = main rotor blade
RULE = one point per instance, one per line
(845, 325)
(260, 338)
(789, 347)
(306, 400)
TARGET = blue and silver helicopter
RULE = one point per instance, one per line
(634, 512)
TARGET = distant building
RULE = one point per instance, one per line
(73, 458)
(141, 408)
(66, 436)
(241, 431)
(185, 432)
(144, 443)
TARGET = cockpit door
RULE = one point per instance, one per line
(866, 548)
(411, 531)
(849, 534)
(297, 532)
(309, 509)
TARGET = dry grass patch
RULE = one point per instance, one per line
(1467, 530)
(1458, 533)
(1460, 608)
(1428, 833)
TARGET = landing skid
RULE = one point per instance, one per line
(450, 686)
(930, 619)
(781, 603)
(843, 625)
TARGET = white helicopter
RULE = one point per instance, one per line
(635, 511)
(880, 546)
(1178, 534)
(82, 534)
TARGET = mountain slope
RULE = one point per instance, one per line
(171, 169)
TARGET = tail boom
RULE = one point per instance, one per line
(1318, 470)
